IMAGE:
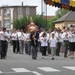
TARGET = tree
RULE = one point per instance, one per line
(51, 24)
(40, 21)
(61, 12)
(21, 23)
(37, 19)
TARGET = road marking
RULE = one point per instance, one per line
(0, 71)
(48, 69)
(70, 67)
(20, 70)
(36, 73)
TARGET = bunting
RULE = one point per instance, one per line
(66, 4)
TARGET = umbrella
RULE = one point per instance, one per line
(66, 4)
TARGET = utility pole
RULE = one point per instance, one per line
(42, 7)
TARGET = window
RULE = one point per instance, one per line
(20, 11)
(7, 23)
(6, 12)
(27, 11)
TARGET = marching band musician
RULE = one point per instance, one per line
(65, 37)
(22, 42)
(14, 40)
(58, 36)
(27, 43)
(18, 40)
(34, 43)
(72, 43)
(4, 46)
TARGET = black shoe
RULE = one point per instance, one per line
(65, 56)
(4, 57)
(29, 54)
(52, 58)
(1, 57)
(58, 55)
(34, 58)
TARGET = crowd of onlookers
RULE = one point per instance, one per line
(53, 41)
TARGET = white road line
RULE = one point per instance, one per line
(0, 71)
(48, 69)
(20, 70)
(69, 67)
(36, 73)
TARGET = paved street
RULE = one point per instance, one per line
(18, 64)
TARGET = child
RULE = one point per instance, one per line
(44, 44)
(53, 43)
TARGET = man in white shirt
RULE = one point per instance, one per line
(21, 42)
(65, 37)
(14, 40)
(27, 43)
(18, 40)
(4, 37)
(59, 40)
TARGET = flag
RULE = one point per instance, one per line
(66, 4)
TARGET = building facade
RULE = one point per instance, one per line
(9, 13)
(65, 21)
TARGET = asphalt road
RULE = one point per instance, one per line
(22, 64)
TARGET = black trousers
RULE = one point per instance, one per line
(26, 48)
(14, 46)
(6, 48)
(17, 46)
(34, 52)
(44, 50)
(3, 49)
(58, 48)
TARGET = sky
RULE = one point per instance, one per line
(50, 10)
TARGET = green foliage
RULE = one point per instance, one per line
(21, 23)
(61, 12)
(51, 23)
(37, 19)
(40, 21)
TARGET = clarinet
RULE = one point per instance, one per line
(34, 40)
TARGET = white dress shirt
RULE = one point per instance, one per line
(27, 37)
(53, 42)
(19, 35)
(64, 36)
(59, 37)
(14, 36)
(4, 36)
(71, 38)
(44, 41)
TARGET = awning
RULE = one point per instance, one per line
(66, 4)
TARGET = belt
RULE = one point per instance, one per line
(66, 40)
(3, 40)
